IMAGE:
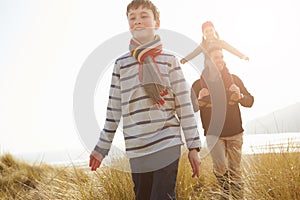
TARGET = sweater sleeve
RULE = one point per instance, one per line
(231, 49)
(248, 99)
(183, 106)
(113, 114)
(194, 53)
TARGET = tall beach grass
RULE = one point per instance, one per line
(272, 175)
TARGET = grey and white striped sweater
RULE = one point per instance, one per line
(147, 129)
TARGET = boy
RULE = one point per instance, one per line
(151, 124)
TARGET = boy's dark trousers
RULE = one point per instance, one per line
(156, 185)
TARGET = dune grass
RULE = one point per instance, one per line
(266, 176)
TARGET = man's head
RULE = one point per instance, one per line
(216, 56)
(143, 19)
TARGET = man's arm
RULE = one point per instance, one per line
(247, 99)
(196, 87)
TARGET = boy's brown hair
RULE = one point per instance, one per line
(145, 4)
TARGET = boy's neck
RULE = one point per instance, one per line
(146, 40)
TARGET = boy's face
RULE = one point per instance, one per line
(142, 24)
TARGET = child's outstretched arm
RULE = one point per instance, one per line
(233, 50)
(192, 55)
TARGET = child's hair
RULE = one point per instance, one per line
(207, 24)
(217, 34)
(145, 4)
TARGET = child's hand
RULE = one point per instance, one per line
(203, 92)
(183, 61)
(236, 93)
(234, 88)
(245, 58)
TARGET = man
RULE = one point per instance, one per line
(222, 123)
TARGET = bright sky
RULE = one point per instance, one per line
(44, 44)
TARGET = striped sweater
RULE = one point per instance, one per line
(146, 128)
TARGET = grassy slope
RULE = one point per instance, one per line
(267, 176)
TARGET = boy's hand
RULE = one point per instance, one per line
(95, 160)
(195, 162)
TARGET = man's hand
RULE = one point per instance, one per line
(195, 162)
(95, 160)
